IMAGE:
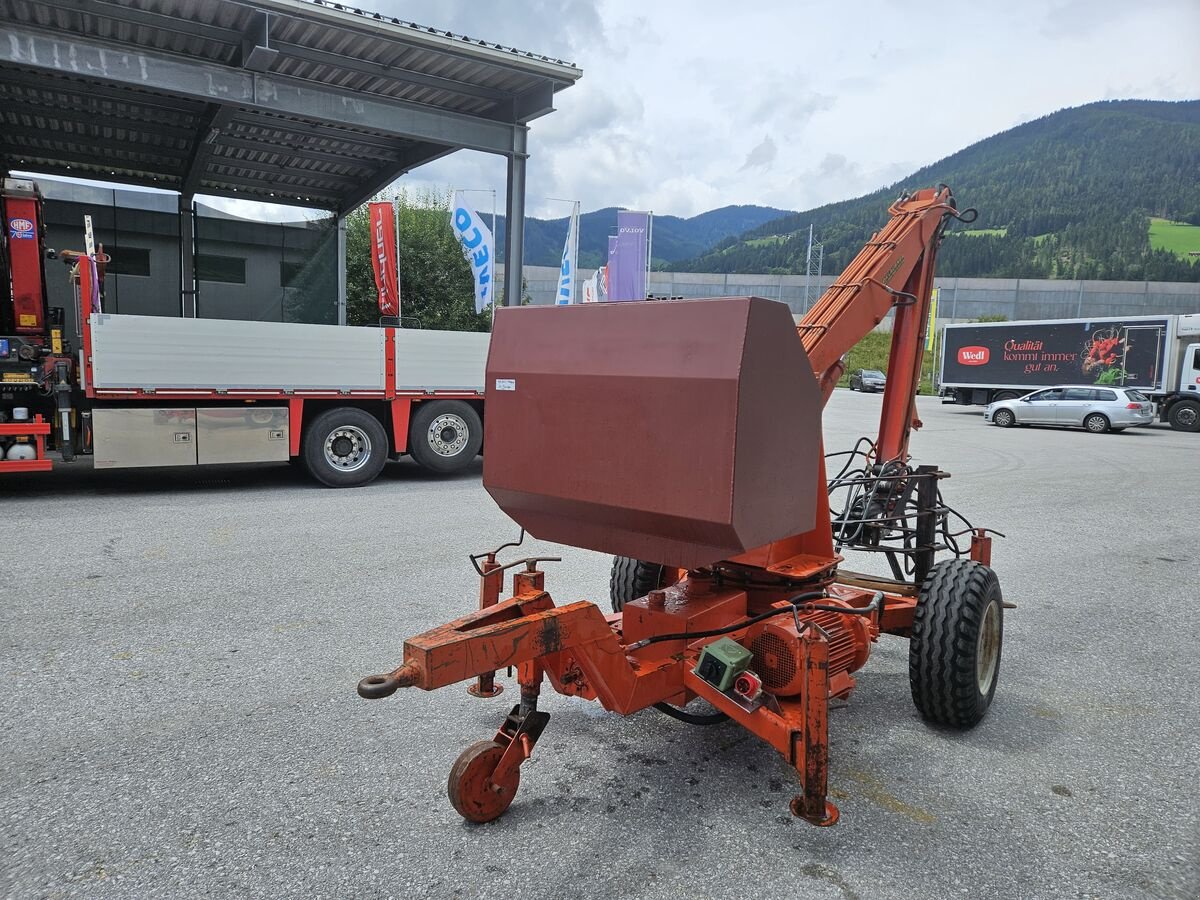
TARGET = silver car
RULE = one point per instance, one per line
(1098, 408)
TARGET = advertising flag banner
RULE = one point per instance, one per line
(613, 267)
(566, 272)
(478, 246)
(628, 280)
(383, 257)
(591, 288)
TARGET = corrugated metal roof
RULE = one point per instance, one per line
(58, 120)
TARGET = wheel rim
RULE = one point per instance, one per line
(1095, 424)
(347, 448)
(448, 435)
(1186, 416)
(987, 649)
(473, 792)
(1003, 418)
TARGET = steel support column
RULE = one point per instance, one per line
(341, 269)
(188, 301)
(514, 211)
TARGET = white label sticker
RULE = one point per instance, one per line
(506, 384)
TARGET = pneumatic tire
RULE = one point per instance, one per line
(631, 579)
(1004, 418)
(1184, 416)
(1096, 423)
(957, 635)
(445, 435)
(345, 447)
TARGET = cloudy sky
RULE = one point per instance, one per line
(687, 106)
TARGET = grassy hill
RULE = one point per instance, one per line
(1179, 238)
(1070, 195)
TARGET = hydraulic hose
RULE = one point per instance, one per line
(737, 626)
(798, 603)
(691, 718)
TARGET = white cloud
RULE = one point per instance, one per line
(762, 155)
(681, 103)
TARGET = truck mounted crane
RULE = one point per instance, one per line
(687, 433)
(132, 391)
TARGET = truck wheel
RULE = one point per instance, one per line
(1096, 423)
(1185, 416)
(1004, 418)
(1005, 395)
(445, 435)
(954, 653)
(345, 447)
(631, 579)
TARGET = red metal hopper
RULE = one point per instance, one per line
(681, 432)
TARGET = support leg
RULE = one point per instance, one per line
(812, 752)
(489, 595)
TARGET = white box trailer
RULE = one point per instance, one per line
(170, 391)
(1159, 355)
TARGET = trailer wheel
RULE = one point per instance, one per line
(1005, 395)
(1185, 416)
(954, 653)
(1096, 423)
(1004, 418)
(345, 447)
(631, 579)
(445, 435)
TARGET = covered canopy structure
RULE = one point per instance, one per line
(300, 102)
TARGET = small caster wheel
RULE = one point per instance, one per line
(473, 793)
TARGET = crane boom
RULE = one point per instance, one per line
(894, 269)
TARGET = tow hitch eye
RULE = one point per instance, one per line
(376, 687)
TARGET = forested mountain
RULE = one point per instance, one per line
(1069, 195)
(674, 238)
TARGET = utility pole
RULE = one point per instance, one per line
(813, 261)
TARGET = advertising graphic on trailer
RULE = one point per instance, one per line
(1036, 353)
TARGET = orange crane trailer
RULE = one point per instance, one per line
(685, 438)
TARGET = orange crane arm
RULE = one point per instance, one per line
(894, 269)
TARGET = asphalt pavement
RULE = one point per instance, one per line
(179, 651)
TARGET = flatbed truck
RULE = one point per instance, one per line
(138, 391)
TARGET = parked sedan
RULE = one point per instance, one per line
(867, 380)
(1097, 409)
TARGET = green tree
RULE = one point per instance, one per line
(436, 286)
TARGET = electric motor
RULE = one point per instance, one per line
(778, 659)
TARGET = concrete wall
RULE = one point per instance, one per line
(960, 299)
(141, 221)
(266, 248)
(145, 222)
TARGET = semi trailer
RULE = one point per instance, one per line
(137, 391)
(1159, 355)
